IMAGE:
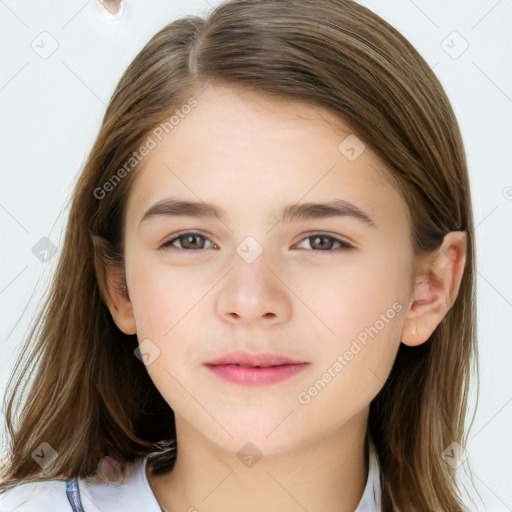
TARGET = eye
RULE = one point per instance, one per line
(190, 241)
(187, 241)
(320, 242)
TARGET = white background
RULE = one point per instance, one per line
(51, 109)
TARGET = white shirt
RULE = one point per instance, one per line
(134, 495)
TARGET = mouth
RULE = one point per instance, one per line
(255, 369)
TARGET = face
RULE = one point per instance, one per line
(327, 291)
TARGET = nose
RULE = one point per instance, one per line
(254, 292)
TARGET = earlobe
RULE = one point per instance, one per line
(118, 301)
(435, 288)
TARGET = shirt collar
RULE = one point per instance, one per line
(371, 498)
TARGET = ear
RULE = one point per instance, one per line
(117, 300)
(436, 285)
(112, 285)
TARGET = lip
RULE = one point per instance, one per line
(253, 360)
(255, 369)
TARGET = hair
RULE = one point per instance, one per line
(90, 396)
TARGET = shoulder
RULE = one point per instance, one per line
(133, 493)
(28, 497)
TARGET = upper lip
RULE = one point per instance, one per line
(252, 360)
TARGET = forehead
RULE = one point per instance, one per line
(245, 149)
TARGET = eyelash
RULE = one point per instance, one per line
(344, 246)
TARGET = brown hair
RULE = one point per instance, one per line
(92, 396)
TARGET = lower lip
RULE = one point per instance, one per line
(256, 376)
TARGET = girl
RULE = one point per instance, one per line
(313, 349)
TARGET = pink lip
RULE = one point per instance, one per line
(255, 369)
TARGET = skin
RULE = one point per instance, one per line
(252, 155)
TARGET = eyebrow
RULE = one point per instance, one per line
(298, 211)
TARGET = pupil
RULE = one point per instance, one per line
(318, 237)
(191, 238)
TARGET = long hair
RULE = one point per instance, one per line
(91, 396)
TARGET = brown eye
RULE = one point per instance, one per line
(323, 243)
(187, 242)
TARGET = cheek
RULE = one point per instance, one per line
(163, 300)
(363, 304)
(364, 310)
(161, 296)
(354, 296)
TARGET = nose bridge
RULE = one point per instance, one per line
(252, 275)
(252, 291)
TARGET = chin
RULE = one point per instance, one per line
(268, 434)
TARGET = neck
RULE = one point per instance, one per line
(329, 474)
